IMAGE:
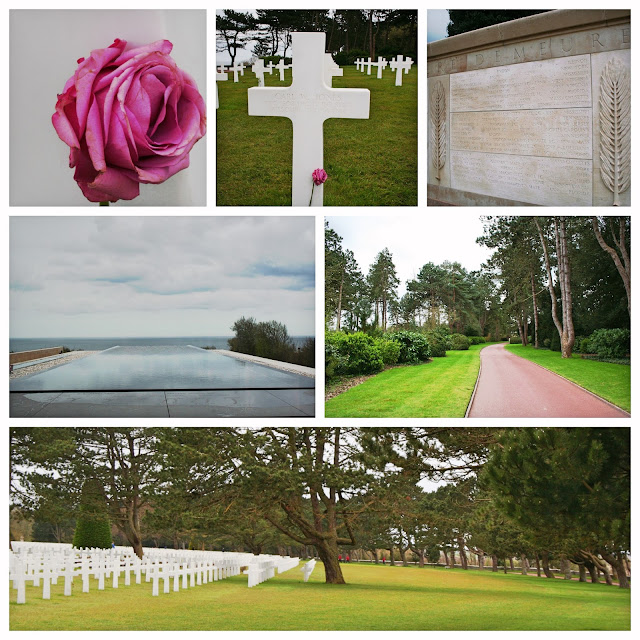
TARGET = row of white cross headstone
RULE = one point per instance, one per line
(35, 563)
(397, 64)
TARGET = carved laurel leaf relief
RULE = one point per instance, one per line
(438, 133)
(615, 128)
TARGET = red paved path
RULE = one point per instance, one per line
(512, 387)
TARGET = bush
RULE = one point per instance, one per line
(414, 347)
(547, 343)
(459, 342)
(92, 527)
(555, 342)
(610, 343)
(439, 342)
(515, 340)
(389, 350)
(584, 346)
(351, 354)
(476, 339)
(342, 58)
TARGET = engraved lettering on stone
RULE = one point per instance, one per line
(570, 45)
(479, 59)
(438, 117)
(561, 133)
(615, 128)
(545, 84)
(543, 181)
(626, 35)
(516, 55)
(596, 38)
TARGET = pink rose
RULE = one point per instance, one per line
(129, 117)
(319, 177)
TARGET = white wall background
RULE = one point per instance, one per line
(44, 47)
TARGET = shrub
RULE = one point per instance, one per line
(584, 346)
(610, 343)
(439, 342)
(547, 343)
(351, 354)
(459, 342)
(476, 339)
(555, 342)
(389, 350)
(92, 527)
(515, 340)
(414, 347)
(342, 58)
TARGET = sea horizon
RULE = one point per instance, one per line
(101, 343)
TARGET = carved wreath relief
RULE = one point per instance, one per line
(438, 135)
(615, 128)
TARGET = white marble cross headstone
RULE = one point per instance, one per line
(281, 66)
(368, 64)
(406, 69)
(308, 102)
(258, 69)
(241, 66)
(381, 64)
(269, 68)
(357, 63)
(220, 77)
(398, 65)
(235, 72)
(331, 70)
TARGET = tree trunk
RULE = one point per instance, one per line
(328, 554)
(523, 561)
(617, 564)
(392, 561)
(494, 563)
(511, 564)
(535, 312)
(480, 560)
(421, 558)
(582, 572)
(452, 557)
(463, 554)
(566, 567)
(620, 241)
(593, 571)
(545, 565)
(538, 565)
(446, 558)
(339, 311)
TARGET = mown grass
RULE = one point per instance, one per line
(609, 381)
(370, 162)
(374, 598)
(440, 388)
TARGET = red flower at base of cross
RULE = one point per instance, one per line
(319, 177)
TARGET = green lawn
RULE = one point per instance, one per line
(609, 381)
(441, 388)
(375, 598)
(370, 162)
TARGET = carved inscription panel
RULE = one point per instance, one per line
(543, 181)
(557, 133)
(547, 84)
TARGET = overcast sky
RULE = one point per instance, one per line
(413, 240)
(159, 276)
(437, 21)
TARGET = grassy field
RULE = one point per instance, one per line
(370, 162)
(441, 388)
(609, 381)
(375, 598)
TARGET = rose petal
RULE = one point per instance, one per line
(116, 184)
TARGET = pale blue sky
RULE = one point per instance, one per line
(437, 21)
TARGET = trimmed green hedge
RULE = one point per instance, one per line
(93, 530)
(459, 342)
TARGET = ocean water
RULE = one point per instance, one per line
(99, 344)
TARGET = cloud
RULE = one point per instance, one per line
(80, 271)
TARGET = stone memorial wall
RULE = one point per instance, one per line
(534, 111)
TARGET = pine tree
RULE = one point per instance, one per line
(93, 529)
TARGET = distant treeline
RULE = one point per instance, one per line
(270, 340)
